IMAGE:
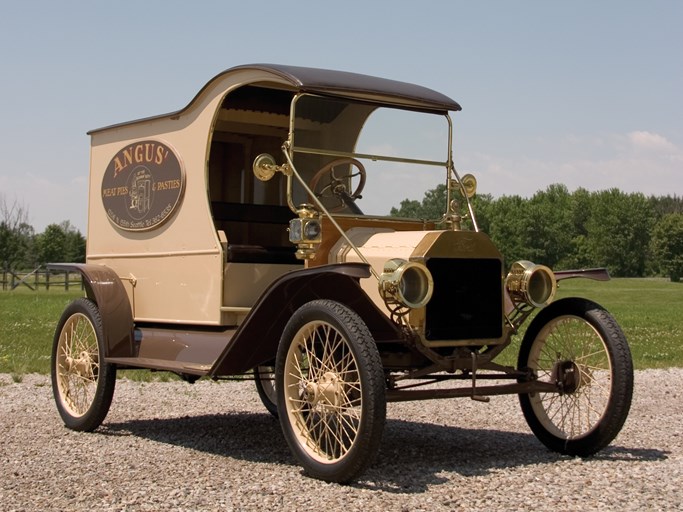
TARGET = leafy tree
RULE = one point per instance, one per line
(579, 254)
(562, 230)
(667, 245)
(75, 243)
(15, 234)
(666, 204)
(59, 243)
(548, 226)
(619, 232)
(409, 208)
(51, 244)
(483, 207)
(507, 221)
(432, 206)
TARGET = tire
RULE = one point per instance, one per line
(264, 378)
(82, 383)
(331, 391)
(578, 344)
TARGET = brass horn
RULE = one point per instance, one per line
(469, 185)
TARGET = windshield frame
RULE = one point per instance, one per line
(293, 148)
(452, 179)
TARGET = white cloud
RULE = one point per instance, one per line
(651, 142)
(638, 161)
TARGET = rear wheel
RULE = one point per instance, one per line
(82, 383)
(331, 393)
(577, 345)
(264, 377)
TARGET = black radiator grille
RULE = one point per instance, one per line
(467, 302)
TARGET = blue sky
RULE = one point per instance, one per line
(585, 93)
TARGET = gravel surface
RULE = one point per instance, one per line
(212, 446)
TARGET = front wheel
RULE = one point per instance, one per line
(331, 393)
(82, 383)
(578, 346)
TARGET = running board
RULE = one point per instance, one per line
(160, 364)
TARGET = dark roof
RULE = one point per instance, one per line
(342, 84)
(355, 85)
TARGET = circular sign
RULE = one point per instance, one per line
(142, 185)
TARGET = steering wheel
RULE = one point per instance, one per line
(337, 186)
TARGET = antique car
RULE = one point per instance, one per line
(248, 235)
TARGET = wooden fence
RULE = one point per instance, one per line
(41, 278)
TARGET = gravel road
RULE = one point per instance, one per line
(212, 446)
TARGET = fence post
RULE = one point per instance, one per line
(47, 280)
(66, 280)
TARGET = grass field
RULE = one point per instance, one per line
(650, 312)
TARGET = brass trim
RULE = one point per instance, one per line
(234, 309)
(368, 156)
(118, 255)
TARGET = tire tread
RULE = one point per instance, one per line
(619, 404)
(369, 362)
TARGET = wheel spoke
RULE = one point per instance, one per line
(564, 340)
(77, 364)
(323, 391)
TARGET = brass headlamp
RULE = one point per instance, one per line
(532, 284)
(405, 283)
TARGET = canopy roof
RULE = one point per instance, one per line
(328, 82)
(354, 85)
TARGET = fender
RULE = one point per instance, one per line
(104, 287)
(597, 274)
(256, 340)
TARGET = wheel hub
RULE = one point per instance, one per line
(567, 374)
(326, 391)
(82, 365)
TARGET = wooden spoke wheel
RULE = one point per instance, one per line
(82, 383)
(577, 345)
(331, 393)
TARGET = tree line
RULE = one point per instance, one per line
(630, 234)
(21, 248)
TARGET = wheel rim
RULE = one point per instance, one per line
(78, 364)
(571, 350)
(323, 392)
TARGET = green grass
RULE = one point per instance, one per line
(650, 312)
(27, 324)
